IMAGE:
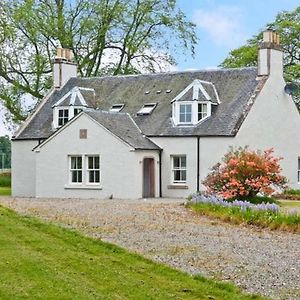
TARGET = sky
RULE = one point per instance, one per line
(222, 25)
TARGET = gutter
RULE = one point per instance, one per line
(160, 177)
(198, 164)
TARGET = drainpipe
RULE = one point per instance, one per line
(160, 179)
(198, 166)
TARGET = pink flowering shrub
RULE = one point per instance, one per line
(244, 174)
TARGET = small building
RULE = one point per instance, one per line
(152, 135)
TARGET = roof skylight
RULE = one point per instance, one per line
(147, 109)
(116, 107)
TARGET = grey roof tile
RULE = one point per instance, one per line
(234, 87)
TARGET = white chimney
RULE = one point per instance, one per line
(64, 67)
(270, 55)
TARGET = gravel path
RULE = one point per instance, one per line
(259, 261)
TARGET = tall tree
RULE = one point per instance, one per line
(106, 36)
(5, 152)
(288, 26)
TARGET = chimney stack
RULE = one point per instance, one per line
(270, 55)
(64, 67)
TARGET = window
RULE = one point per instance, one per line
(76, 169)
(116, 108)
(147, 109)
(299, 169)
(77, 111)
(93, 169)
(63, 116)
(202, 111)
(179, 169)
(185, 113)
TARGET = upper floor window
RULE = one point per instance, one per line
(202, 111)
(185, 113)
(63, 116)
(77, 111)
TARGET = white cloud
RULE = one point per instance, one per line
(223, 24)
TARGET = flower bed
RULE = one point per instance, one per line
(244, 212)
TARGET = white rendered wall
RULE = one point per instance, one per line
(120, 167)
(23, 168)
(178, 146)
(273, 122)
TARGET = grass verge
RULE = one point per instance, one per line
(5, 180)
(5, 191)
(44, 261)
(263, 219)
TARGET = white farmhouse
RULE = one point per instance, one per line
(152, 135)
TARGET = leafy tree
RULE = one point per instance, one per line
(245, 173)
(5, 150)
(106, 36)
(287, 24)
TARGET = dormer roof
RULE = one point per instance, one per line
(199, 90)
(76, 97)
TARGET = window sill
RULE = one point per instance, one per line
(82, 187)
(178, 187)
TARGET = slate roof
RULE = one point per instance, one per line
(236, 89)
(123, 126)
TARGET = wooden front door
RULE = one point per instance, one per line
(148, 178)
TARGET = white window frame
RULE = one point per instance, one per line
(117, 107)
(147, 109)
(59, 118)
(71, 170)
(181, 169)
(179, 112)
(94, 169)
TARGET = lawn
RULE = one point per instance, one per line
(289, 204)
(5, 191)
(43, 261)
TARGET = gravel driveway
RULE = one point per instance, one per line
(259, 261)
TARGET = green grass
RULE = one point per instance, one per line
(44, 261)
(289, 204)
(5, 180)
(292, 192)
(5, 191)
(263, 219)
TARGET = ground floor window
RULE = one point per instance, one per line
(179, 168)
(93, 169)
(84, 168)
(76, 169)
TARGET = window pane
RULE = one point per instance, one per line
(183, 175)
(182, 118)
(97, 165)
(79, 177)
(298, 163)
(188, 108)
(60, 113)
(177, 175)
(97, 176)
(188, 118)
(74, 176)
(79, 162)
(183, 161)
(73, 162)
(91, 162)
(91, 176)
(182, 108)
(176, 162)
(66, 113)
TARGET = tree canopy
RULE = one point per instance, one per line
(287, 24)
(106, 36)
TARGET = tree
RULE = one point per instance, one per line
(287, 24)
(106, 36)
(244, 174)
(5, 152)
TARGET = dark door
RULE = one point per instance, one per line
(148, 178)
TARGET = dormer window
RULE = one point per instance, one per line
(194, 103)
(63, 116)
(185, 113)
(77, 111)
(202, 111)
(147, 109)
(116, 107)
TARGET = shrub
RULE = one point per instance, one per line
(245, 173)
(5, 180)
(292, 192)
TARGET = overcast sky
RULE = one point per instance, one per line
(223, 25)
